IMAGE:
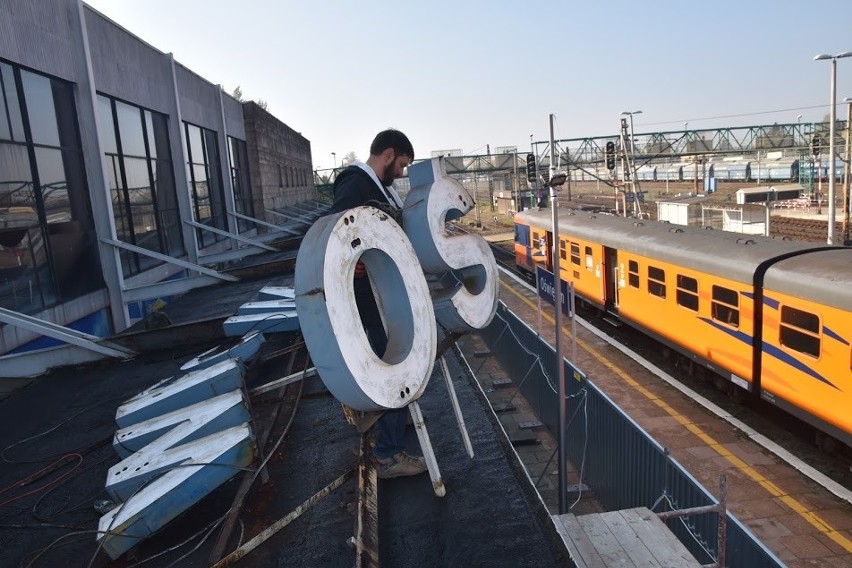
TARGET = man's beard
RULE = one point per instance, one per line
(387, 175)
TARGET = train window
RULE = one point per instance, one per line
(522, 235)
(590, 261)
(562, 253)
(726, 306)
(687, 292)
(633, 273)
(800, 331)
(657, 281)
(575, 254)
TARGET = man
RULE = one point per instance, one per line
(371, 184)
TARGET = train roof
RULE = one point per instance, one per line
(825, 274)
(730, 255)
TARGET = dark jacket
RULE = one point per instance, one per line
(354, 187)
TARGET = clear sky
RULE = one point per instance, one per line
(469, 73)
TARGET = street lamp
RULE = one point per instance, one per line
(632, 160)
(630, 113)
(832, 118)
(799, 129)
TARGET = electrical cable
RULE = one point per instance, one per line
(48, 431)
(43, 471)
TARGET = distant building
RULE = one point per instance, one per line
(115, 160)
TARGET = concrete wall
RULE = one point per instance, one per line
(126, 67)
(41, 34)
(280, 162)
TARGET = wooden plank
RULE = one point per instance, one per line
(367, 520)
(579, 546)
(634, 547)
(663, 544)
(604, 541)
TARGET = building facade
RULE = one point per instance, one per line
(122, 172)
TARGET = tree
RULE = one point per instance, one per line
(348, 159)
(262, 104)
(237, 93)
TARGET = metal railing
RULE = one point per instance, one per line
(616, 458)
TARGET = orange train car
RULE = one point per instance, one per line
(772, 316)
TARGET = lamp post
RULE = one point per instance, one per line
(334, 159)
(798, 129)
(630, 113)
(847, 169)
(832, 117)
(632, 161)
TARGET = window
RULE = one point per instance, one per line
(48, 250)
(562, 252)
(205, 181)
(575, 254)
(725, 306)
(633, 274)
(687, 292)
(522, 235)
(657, 281)
(240, 179)
(590, 261)
(800, 331)
(141, 181)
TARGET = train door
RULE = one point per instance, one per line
(549, 251)
(610, 276)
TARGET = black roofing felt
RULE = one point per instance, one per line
(489, 516)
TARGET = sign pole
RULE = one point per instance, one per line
(560, 366)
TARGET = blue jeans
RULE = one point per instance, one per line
(390, 427)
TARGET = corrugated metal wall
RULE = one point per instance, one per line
(621, 463)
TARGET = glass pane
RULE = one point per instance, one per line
(201, 195)
(40, 108)
(23, 270)
(5, 127)
(13, 108)
(167, 207)
(687, 300)
(799, 341)
(656, 273)
(130, 129)
(160, 145)
(194, 144)
(149, 127)
(17, 200)
(725, 295)
(687, 283)
(106, 128)
(800, 319)
(141, 202)
(54, 186)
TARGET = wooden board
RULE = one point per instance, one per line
(628, 538)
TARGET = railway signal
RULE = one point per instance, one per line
(816, 143)
(610, 155)
(531, 173)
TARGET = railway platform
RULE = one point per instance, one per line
(800, 515)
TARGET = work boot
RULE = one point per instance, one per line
(400, 465)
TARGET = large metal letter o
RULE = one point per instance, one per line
(329, 317)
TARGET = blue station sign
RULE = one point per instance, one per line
(546, 284)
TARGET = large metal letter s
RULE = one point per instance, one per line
(469, 299)
(329, 317)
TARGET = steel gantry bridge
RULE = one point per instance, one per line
(793, 139)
